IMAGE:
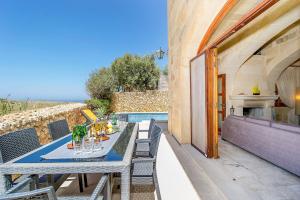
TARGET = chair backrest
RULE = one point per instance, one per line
(155, 138)
(58, 129)
(15, 144)
(89, 115)
(152, 123)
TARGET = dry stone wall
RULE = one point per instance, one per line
(40, 118)
(149, 101)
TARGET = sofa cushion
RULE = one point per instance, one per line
(237, 117)
(286, 127)
(259, 121)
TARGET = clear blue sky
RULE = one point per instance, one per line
(48, 48)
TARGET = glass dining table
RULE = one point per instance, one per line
(117, 160)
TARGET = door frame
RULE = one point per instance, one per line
(223, 76)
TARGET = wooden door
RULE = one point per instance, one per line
(221, 100)
(198, 104)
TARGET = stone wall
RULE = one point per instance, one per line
(150, 101)
(187, 24)
(40, 118)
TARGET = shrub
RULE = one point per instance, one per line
(101, 84)
(100, 105)
(135, 73)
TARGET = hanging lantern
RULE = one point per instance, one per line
(232, 110)
(160, 53)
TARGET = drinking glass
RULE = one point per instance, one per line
(77, 146)
(88, 144)
(98, 144)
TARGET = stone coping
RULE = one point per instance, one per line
(14, 120)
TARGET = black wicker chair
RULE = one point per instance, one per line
(142, 146)
(57, 130)
(15, 144)
(143, 169)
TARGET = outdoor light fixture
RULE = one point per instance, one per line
(297, 101)
(232, 110)
(160, 53)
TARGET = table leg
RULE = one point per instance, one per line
(85, 180)
(125, 184)
(80, 183)
(2, 184)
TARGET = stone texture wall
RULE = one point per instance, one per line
(40, 118)
(150, 101)
(187, 24)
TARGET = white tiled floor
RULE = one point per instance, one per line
(236, 175)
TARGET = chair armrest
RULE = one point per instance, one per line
(48, 190)
(142, 141)
(142, 160)
(99, 188)
(20, 185)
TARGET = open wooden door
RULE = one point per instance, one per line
(198, 104)
(204, 112)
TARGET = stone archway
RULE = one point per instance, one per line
(280, 65)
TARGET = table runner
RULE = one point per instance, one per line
(63, 152)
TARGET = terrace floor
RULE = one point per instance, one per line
(184, 173)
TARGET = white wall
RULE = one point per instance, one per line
(236, 58)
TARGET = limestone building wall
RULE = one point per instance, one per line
(40, 118)
(187, 24)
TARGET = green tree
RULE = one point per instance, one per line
(101, 84)
(135, 73)
(165, 71)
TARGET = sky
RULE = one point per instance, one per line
(49, 48)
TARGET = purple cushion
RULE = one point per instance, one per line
(278, 145)
(259, 121)
(286, 127)
(237, 117)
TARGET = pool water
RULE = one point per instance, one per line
(138, 117)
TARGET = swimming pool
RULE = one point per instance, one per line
(138, 117)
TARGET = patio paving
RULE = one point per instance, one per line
(184, 173)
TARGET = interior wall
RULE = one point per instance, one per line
(287, 83)
(252, 73)
(237, 52)
(264, 68)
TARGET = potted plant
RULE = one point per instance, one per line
(256, 90)
(79, 131)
